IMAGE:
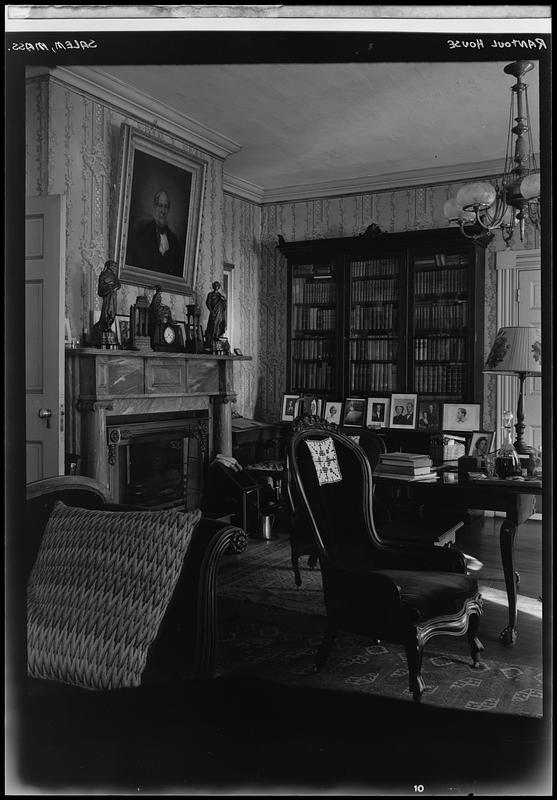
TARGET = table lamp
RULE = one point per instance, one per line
(517, 351)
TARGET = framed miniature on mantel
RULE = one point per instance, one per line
(159, 213)
(377, 412)
(290, 403)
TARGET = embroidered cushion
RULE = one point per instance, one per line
(325, 460)
(98, 591)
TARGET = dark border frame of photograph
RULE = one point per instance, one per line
(475, 438)
(123, 329)
(310, 404)
(176, 168)
(361, 409)
(385, 404)
(337, 404)
(286, 399)
(450, 411)
(399, 399)
(422, 406)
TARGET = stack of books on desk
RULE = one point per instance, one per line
(406, 467)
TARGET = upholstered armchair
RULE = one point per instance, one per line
(118, 596)
(384, 590)
(302, 541)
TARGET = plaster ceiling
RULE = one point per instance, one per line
(298, 124)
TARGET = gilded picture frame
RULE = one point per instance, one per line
(159, 213)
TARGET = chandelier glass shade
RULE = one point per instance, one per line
(515, 197)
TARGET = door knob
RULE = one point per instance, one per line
(45, 413)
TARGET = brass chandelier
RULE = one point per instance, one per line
(516, 197)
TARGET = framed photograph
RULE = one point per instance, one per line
(310, 404)
(461, 416)
(480, 443)
(182, 326)
(159, 213)
(403, 411)
(377, 415)
(290, 407)
(122, 324)
(429, 415)
(354, 412)
(332, 411)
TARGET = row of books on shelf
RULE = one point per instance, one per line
(441, 260)
(441, 315)
(371, 267)
(313, 270)
(375, 377)
(382, 317)
(312, 318)
(440, 378)
(380, 290)
(315, 376)
(406, 467)
(318, 292)
(381, 348)
(439, 348)
(440, 281)
(313, 348)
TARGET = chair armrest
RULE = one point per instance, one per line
(188, 633)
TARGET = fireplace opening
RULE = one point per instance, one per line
(157, 473)
(159, 463)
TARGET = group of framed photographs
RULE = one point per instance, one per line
(400, 411)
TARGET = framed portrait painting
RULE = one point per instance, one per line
(159, 213)
(461, 416)
(403, 411)
(377, 415)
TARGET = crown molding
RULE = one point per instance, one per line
(130, 101)
(242, 188)
(455, 173)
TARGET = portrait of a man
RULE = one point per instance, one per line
(160, 204)
(158, 215)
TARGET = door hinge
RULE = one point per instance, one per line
(518, 295)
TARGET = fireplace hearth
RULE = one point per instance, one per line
(159, 460)
(147, 425)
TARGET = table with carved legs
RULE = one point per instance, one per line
(517, 499)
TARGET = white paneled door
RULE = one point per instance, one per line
(45, 228)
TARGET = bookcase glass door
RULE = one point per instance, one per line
(441, 319)
(375, 319)
(314, 318)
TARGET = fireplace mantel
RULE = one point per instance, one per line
(106, 384)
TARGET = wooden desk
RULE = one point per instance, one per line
(516, 498)
(254, 441)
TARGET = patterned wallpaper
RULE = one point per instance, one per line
(72, 143)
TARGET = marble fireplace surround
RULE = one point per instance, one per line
(104, 387)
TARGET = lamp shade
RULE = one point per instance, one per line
(516, 349)
(480, 194)
(530, 186)
(453, 212)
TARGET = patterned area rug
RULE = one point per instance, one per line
(285, 653)
(270, 629)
